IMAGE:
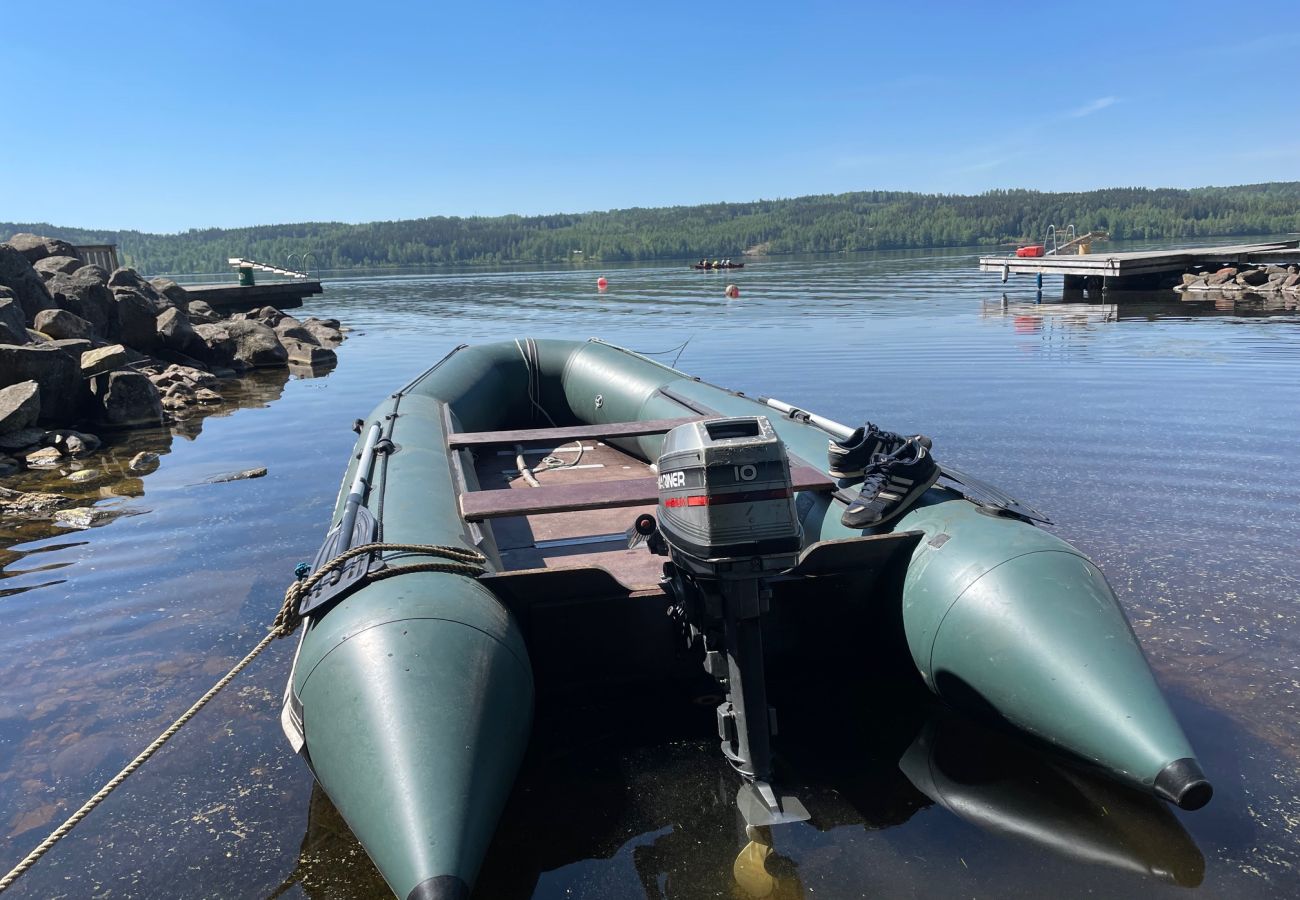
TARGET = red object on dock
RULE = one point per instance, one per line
(1031, 250)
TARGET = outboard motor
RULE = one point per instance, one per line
(728, 522)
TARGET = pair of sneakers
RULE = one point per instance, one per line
(895, 471)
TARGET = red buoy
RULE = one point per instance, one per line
(602, 282)
(732, 291)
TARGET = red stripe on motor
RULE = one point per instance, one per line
(722, 499)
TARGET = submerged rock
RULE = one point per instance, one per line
(90, 516)
(237, 476)
(143, 462)
(82, 476)
(32, 503)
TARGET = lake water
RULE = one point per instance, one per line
(1159, 435)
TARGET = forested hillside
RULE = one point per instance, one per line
(868, 220)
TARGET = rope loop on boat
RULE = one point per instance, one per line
(460, 562)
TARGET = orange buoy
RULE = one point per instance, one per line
(732, 291)
(602, 282)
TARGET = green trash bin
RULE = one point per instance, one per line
(245, 276)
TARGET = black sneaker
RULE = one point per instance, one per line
(891, 486)
(850, 457)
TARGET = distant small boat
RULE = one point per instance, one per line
(718, 266)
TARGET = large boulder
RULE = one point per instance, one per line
(84, 293)
(13, 324)
(57, 373)
(103, 359)
(53, 265)
(20, 406)
(137, 321)
(201, 313)
(125, 398)
(172, 291)
(1252, 277)
(326, 331)
(36, 248)
(240, 343)
(63, 325)
(132, 281)
(313, 355)
(16, 273)
(174, 329)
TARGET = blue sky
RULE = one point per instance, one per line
(164, 116)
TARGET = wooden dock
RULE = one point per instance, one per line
(1140, 269)
(228, 296)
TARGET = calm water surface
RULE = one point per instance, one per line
(1159, 435)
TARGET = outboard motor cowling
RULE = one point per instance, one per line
(726, 507)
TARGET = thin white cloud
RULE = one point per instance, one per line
(1093, 106)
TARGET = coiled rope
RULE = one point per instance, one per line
(462, 562)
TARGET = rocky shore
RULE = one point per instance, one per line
(84, 351)
(1245, 280)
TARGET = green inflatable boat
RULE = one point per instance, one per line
(527, 489)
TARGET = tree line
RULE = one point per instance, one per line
(864, 220)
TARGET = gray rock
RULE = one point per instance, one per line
(215, 345)
(44, 458)
(102, 359)
(89, 517)
(137, 321)
(239, 343)
(304, 354)
(73, 443)
(90, 270)
(13, 324)
(22, 440)
(82, 476)
(63, 395)
(36, 248)
(174, 329)
(83, 293)
(29, 289)
(1252, 277)
(143, 462)
(53, 265)
(130, 281)
(295, 332)
(205, 395)
(172, 291)
(32, 502)
(127, 398)
(196, 378)
(1291, 281)
(61, 324)
(201, 312)
(326, 332)
(20, 406)
(237, 476)
(74, 347)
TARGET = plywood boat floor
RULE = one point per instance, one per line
(517, 536)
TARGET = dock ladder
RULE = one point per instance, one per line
(239, 263)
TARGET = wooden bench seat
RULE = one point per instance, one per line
(462, 439)
(477, 506)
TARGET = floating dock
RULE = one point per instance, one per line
(1137, 270)
(280, 294)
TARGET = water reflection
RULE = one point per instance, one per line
(601, 812)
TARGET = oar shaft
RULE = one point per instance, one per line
(360, 485)
(830, 426)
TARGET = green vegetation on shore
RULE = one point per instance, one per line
(867, 220)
